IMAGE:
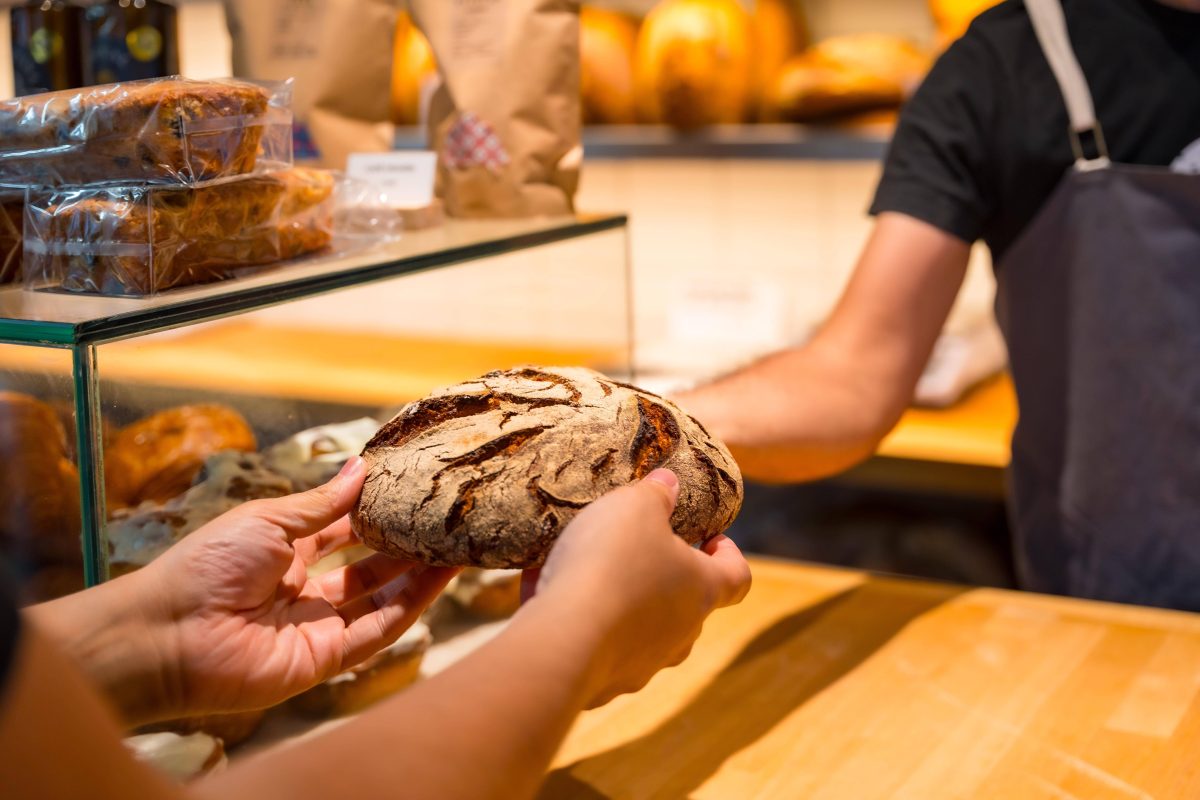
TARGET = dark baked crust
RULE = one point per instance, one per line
(489, 472)
(39, 485)
(180, 236)
(12, 215)
(170, 130)
(158, 457)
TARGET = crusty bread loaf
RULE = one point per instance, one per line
(143, 241)
(171, 130)
(849, 74)
(489, 472)
(158, 457)
(39, 485)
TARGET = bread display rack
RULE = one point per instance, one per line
(109, 406)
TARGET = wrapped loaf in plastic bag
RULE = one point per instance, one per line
(340, 54)
(141, 240)
(162, 131)
(505, 121)
(12, 243)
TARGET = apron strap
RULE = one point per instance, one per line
(1051, 28)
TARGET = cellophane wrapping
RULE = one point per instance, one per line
(142, 240)
(161, 131)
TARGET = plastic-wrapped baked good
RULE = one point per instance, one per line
(144, 240)
(12, 212)
(169, 130)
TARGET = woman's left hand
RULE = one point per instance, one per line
(228, 619)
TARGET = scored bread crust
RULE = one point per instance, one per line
(489, 472)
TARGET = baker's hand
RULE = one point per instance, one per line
(241, 625)
(645, 591)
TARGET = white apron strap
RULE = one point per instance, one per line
(1051, 28)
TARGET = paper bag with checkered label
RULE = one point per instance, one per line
(505, 120)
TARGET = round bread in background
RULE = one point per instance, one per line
(158, 457)
(489, 472)
(39, 485)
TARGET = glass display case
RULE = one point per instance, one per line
(126, 422)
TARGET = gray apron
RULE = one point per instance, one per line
(1099, 300)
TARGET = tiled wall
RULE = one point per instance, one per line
(763, 248)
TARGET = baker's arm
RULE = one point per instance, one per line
(816, 410)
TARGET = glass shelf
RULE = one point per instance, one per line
(60, 318)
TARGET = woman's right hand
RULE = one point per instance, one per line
(640, 588)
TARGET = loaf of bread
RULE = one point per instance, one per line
(140, 241)
(39, 485)
(848, 74)
(489, 472)
(158, 457)
(138, 536)
(12, 214)
(159, 131)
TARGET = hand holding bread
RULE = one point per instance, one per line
(642, 591)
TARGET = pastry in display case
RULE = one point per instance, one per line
(487, 593)
(385, 673)
(128, 422)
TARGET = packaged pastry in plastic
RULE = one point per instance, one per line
(169, 130)
(12, 213)
(140, 240)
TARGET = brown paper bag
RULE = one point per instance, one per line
(505, 120)
(339, 52)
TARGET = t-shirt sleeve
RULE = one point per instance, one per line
(942, 156)
(10, 625)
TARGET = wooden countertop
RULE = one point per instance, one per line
(833, 684)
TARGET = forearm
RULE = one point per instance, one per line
(106, 631)
(487, 727)
(797, 415)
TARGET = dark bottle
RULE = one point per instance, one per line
(127, 40)
(46, 47)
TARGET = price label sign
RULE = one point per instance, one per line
(403, 179)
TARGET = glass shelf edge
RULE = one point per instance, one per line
(69, 335)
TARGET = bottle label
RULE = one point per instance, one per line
(145, 43)
(45, 45)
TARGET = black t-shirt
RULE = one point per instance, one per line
(984, 141)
